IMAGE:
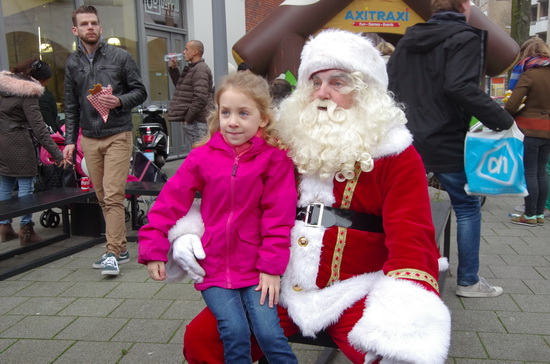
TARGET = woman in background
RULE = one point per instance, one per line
(533, 119)
(20, 122)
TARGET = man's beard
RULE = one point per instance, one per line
(326, 142)
(84, 39)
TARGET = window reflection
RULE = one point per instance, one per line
(38, 28)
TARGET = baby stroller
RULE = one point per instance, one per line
(143, 169)
(50, 176)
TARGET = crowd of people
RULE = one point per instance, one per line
(314, 212)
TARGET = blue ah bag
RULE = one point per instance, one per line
(493, 162)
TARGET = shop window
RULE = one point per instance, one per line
(533, 15)
(163, 12)
(543, 15)
(42, 29)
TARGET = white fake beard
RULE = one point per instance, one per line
(327, 142)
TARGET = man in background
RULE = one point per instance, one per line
(436, 71)
(190, 102)
(106, 135)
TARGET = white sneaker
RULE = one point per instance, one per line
(479, 290)
(520, 208)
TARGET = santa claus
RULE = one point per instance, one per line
(364, 262)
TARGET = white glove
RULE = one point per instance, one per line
(186, 250)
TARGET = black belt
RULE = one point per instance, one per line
(317, 215)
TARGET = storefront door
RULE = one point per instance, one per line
(160, 43)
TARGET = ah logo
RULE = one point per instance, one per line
(501, 164)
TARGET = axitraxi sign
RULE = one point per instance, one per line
(375, 16)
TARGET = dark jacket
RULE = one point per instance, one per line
(48, 108)
(19, 114)
(110, 66)
(192, 98)
(534, 119)
(436, 71)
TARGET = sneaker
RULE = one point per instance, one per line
(521, 220)
(110, 265)
(124, 258)
(479, 290)
(520, 208)
(546, 213)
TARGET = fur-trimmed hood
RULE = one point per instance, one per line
(15, 85)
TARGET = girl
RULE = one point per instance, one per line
(248, 207)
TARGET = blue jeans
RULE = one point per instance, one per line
(468, 216)
(239, 313)
(26, 187)
(535, 157)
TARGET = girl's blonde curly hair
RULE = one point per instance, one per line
(256, 89)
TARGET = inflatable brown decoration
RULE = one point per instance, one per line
(273, 47)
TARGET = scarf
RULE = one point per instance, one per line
(526, 64)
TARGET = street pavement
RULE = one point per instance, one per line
(67, 312)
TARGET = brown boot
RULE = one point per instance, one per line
(7, 232)
(27, 235)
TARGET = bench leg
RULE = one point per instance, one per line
(447, 238)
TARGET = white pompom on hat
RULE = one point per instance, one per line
(343, 50)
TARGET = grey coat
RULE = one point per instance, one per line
(19, 114)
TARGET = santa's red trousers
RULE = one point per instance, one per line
(202, 344)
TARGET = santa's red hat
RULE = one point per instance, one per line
(344, 50)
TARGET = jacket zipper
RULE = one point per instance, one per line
(229, 237)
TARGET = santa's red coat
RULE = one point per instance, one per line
(332, 271)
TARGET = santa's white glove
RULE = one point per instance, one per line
(186, 250)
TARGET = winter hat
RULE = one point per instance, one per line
(41, 70)
(344, 50)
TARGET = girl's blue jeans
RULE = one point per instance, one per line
(468, 216)
(239, 314)
(26, 187)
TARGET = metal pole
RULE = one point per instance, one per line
(219, 30)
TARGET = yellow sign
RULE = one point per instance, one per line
(375, 16)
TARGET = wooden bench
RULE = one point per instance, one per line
(56, 198)
(441, 216)
(140, 188)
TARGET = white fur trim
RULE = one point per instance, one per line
(313, 189)
(311, 308)
(397, 140)
(344, 50)
(443, 264)
(403, 322)
(189, 224)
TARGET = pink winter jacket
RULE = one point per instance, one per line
(248, 207)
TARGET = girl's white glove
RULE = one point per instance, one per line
(186, 250)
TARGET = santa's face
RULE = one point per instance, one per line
(333, 85)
